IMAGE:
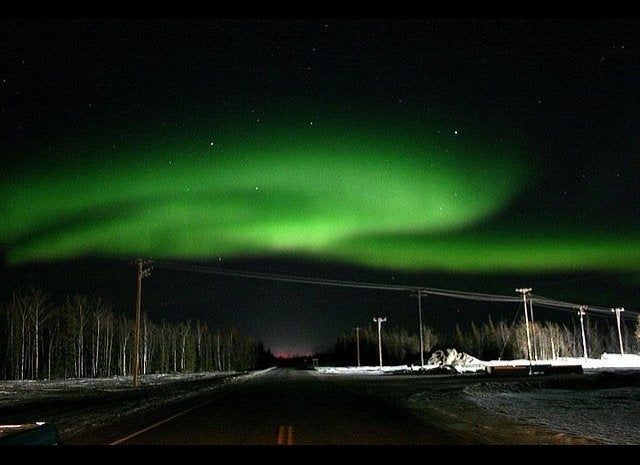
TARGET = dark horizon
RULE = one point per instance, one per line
(255, 307)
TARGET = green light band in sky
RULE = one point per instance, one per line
(388, 200)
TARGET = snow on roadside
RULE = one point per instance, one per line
(366, 370)
(474, 365)
(604, 412)
(603, 405)
(97, 402)
(13, 391)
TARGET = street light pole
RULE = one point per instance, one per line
(420, 322)
(524, 292)
(533, 332)
(380, 320)
(618, 310)
(584, 339)
(357, 328)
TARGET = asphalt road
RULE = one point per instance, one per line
(286, 406)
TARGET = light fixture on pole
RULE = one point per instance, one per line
(524, 292)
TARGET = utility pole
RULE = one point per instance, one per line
(357, 328)
(618, 310)
(524, 292)
(142, 273)
(420, 322)
(380, 320)
(584, 339)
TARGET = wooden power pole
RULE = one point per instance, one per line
(142, 273)
(524, 292)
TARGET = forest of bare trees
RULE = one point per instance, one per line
(84, 337)
(489, 341)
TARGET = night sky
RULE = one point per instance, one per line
(469, 154)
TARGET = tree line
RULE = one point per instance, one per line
(83, 337)
(487, 341)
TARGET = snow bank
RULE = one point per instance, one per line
(456, 361)
(366, 370)
(460, 362)
(607, 361)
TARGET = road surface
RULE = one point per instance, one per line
(282, 406)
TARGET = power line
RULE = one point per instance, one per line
(549, 302)
(337, 283)
(285, 278)
(465, 295)
(559, 304)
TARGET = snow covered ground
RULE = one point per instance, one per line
(607, 412)
(609, 415)
(13, 392)
(76, 405)
(604, 404)
(606, 362)
(366, 370)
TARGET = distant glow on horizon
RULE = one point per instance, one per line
(292, 353)
(395, 200)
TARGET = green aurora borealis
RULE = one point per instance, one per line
(394, 199)
(478, 155)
